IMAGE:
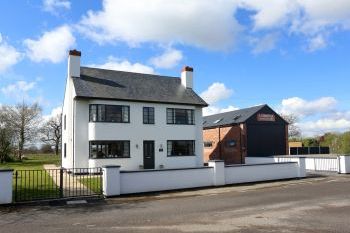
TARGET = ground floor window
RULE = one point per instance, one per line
(181, 148)
(109, 149)
(208, 144)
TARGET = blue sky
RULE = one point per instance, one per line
(291, 54)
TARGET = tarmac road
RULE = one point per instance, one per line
(319, 204)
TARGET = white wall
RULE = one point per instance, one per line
(67, 134)
(148, 181)
(6, 186)
(136, 132)
(127, 182)
(260, 172)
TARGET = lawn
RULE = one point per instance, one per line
(94, 184)
(33, 183)
(33, 162)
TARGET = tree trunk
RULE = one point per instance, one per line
(56, 148)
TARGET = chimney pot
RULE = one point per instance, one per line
(75, 52)
(187, 68)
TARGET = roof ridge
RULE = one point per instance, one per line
(238, 110)
(129, 72)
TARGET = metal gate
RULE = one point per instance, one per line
(33, 185)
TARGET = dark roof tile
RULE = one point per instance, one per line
(120, 85)
(233, 117)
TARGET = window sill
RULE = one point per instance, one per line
(179, 124)
(112, 158)
(109, 122)
(181, 155)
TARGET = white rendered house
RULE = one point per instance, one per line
(137, 121)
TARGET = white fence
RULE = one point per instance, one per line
(116, 182)
(313, 163)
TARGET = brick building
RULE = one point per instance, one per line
(256, 131)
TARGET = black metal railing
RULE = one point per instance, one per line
(32, 185)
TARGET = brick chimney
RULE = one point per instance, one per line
(74, 63)
(187, 77)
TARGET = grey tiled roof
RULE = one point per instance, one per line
(120, 85)
(233, 117)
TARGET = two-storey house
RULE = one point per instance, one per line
(137, 121)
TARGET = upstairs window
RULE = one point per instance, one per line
(109, 113)
(180, 116)
(148, 115)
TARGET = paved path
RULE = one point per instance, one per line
(315, 205)
(71, 183)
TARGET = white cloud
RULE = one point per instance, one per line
(8, 54)
(169, 59)
(216, 92)
(211, 110)
(124, 65)
(53, 6)
(54, 112)
(323, 125)
(201, 23)
(51, 46)
(264, 44)
(18, 90)
(309, 18)
(316, 43)
(270, 14)
(302, 108)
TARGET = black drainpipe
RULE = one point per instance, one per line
(240, 142)
(220, 144)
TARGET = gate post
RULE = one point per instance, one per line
(219, 171)
(6, 180)
(344, 164)
(61, 182)
(111, 180)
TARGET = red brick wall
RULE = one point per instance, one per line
(231, 155)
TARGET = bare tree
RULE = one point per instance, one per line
(293, 130)
(51, 132)
(23, 119)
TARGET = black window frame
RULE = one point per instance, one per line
(148, 118)
(171, 116)
(170, 152)
(208, 144)
(64, 150)
(64, 122)
(106, 144)
(105, 117)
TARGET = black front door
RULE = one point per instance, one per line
(148, 154)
